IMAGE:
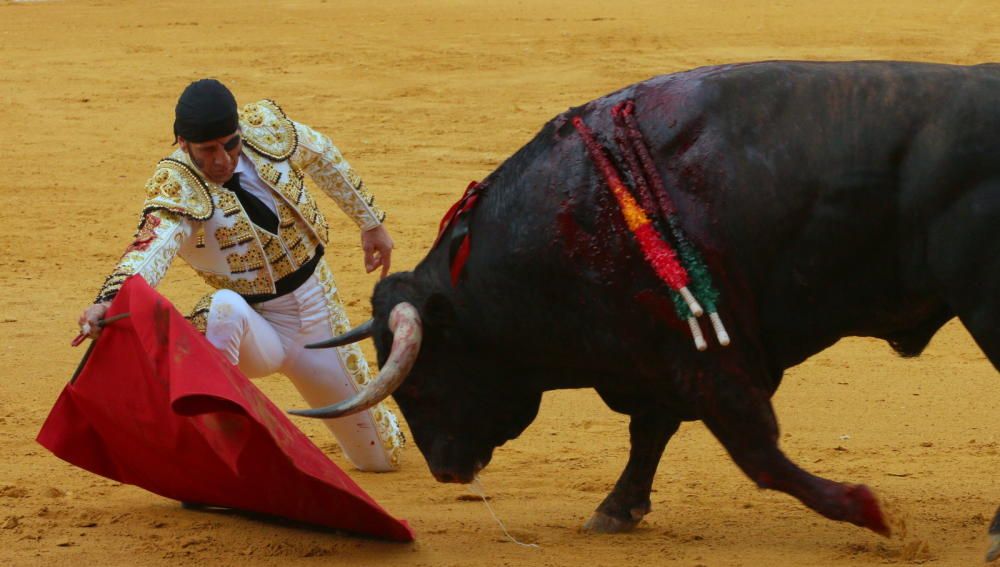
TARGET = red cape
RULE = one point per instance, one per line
(157, 406)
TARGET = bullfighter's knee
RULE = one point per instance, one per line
(226, 323)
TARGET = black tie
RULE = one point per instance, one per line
(259, 213)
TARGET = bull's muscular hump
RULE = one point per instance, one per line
(828, 200)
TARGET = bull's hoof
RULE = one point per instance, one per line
(994, 551)
(602, 523)
(869, 511)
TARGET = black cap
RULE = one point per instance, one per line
(206, 110)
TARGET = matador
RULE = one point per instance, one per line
(233, 203)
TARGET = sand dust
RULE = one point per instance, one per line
(423, 99)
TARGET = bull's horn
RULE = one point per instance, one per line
(361, 332)
(404, 322)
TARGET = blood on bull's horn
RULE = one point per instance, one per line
(407, 331)
(361, 332)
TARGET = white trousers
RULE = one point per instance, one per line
(269, 337)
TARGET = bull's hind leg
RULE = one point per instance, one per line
(741, 417)
(628, 502)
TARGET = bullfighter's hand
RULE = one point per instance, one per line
(378, 246)
(90, 319)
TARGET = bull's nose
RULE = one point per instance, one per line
(446, 476)
(453, 477)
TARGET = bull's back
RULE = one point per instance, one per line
(808, 186)
(824, 181)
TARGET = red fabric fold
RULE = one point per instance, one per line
(457, 218)
(462, 205)
(157, 406)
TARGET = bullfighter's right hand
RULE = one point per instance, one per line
(378, 246)
(91, 317)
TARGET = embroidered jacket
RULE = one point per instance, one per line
(205, 224)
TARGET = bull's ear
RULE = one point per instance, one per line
(438, 311)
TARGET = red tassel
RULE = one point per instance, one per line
(661, 257)
(658, 253)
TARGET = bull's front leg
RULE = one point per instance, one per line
(628, 502)
(740, 415)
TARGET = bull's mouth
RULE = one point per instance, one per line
(454, 476)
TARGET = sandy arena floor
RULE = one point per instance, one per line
(422, 100)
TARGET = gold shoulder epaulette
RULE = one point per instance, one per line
(267, 130)
(175, 187)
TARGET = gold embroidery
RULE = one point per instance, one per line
(199, 313)
(308, 210)
(267, 130)
(324, 163)
(177, 188)
(113, 283)
(259, 285)
(295, 240)
(170, 188)
(368, 198)
(322, 228)
(267, 241)
(300, 252)
(293, 190)
(281, 266)
(286, 217)
(252, 115)
(351, 361)
(311, 213)
(298, 248)
(268, 173)
(227, 203)
(353, 178)
(299, 241)
(249, 262)
(227, 237)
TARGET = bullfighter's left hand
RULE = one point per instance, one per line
(378, 246)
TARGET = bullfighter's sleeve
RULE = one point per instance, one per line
(317, 156)
(157, 241)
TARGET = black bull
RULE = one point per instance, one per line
(829, 200)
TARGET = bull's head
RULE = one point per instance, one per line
(460, 400)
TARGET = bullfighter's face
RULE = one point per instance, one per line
(217, 159)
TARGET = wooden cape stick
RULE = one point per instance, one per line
(86, 356)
